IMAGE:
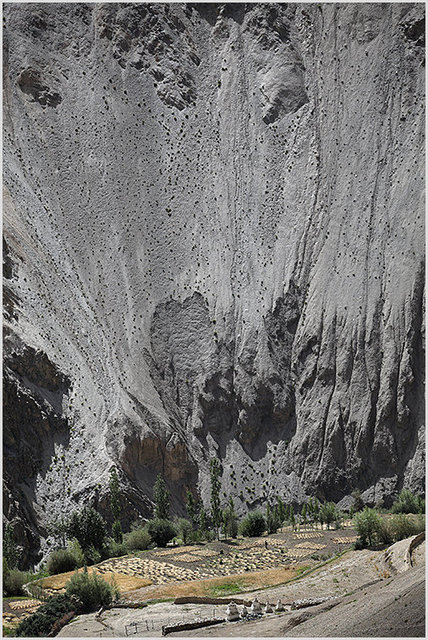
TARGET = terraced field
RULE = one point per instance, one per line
(193, 563)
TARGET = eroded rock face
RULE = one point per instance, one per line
(213, 218)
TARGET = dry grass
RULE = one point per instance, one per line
(310, 545)
(345, 540)
(124, 582)
(249, 582)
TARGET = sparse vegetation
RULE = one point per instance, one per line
(226, 589)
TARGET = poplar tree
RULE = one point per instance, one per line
(161, 499)
(115, 505)
(216, 514)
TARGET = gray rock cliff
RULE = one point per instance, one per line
(214, 245)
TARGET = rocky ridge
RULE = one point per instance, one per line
(213, 223)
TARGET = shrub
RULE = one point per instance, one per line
(385, 534)
(367, 524)
(137, 539)
(91, 590)
(41, 623)
(184, 529)
(75, 548)
(116, 549)
(253, 524)
(14, 581)
(93, 555)
(404, 526)
(161, 531)
(407, 502)
(61, 561)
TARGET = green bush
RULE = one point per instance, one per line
(117, 549)
(61, 561)
(385, 534)
(137, 540)
(184, 528)
(93, 555)
(75, 548)
(161, 531)
(367, 524)
(40, 624)
(252, 525)
(91, 590)
(404, 526)
(408, 502)
(13, 582)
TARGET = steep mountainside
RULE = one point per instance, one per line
(214, 244)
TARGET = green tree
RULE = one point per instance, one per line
(304, 516)
(115, 506)
(161, 499)
(280, 510)
(253, 524)
(203, 520)
(358, 504)
(291, 517)
(367, 524)
(272, 519)
(89, 529)
(216, 515)
(230, 521)
(161, 531)
(328, 513)
(185, 528)
(191, 509)
(58, 530)
(316, 511)
(11, 552)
